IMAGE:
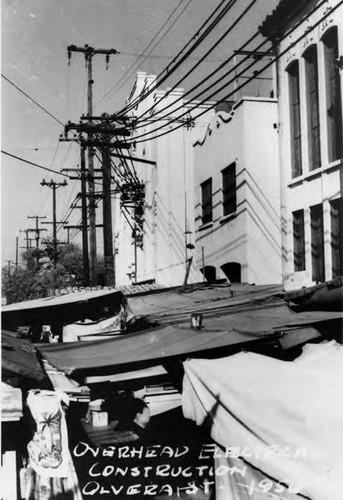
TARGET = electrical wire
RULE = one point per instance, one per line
(32, 100)
(214, 46)
(32, 163)
(280, 54)
(132, 68)
(194, 42)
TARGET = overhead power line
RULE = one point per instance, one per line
(214, 46)
(145, 55)
(207, 27)
(33, 164)
(233, 70)
(280, 54)
(32, 100)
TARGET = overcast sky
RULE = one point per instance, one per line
(35, 36)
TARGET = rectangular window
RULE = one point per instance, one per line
(299, 240)
(333, 96)
(337, 237)
(312, 95)
(294, 101)
(206, 201)
(317, 243)
(229, 189)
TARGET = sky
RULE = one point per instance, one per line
(35, 36)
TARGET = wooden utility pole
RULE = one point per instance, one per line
(37, 229)
(89, 52)
(16, 253)
(84, 217)
(54, 186)
(107, 215)
(9, 262)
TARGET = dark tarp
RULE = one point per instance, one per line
(19, 361)
(66, 308)
(249, 309)
(149, 347)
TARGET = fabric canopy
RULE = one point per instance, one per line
(66, 308)
(285, 418)
(18, 359)
(148, 346)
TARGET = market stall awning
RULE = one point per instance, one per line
(134, 349)
(19, 360)
(68, 308)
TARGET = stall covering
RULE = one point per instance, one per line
(66, 308)
(284, 418)
(19, 360)
(149, 346)
(244, 308)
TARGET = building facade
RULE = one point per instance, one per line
(237, 198)
(309, 41)
(166, 241)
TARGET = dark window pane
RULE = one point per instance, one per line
(317, 243)
(206, 201)
(299, 240)
(333, 96)
(311, 64)
(229, 189)
(294, 101)
(337, 237)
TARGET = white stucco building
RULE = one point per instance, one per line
(168, 215)
(309, 39)
(237, 187)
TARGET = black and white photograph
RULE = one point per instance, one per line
(171, 250)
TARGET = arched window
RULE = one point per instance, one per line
(312, 98)
(294, 112)
(232, 271)
(209, 273)
(333, 95)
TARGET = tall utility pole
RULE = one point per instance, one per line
(107, 215)
(37, 229)
(54, 186)
(89, 52)
(84, 216)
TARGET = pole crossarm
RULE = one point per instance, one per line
(134, 158)
(92, 128)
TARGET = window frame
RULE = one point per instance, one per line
(229, 189)
(295, 117)
(299, 255)
(206, 201)
(333, 97)
(312, 103)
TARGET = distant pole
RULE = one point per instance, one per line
(54, 186)
(203, 263)
(16, 253)
(9, 266)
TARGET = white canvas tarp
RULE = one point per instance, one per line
(284, 418)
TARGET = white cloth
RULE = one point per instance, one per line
(255, 402)
(48, 450)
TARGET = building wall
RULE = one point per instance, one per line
(318, 186)
(169, 204)
(251, 235)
